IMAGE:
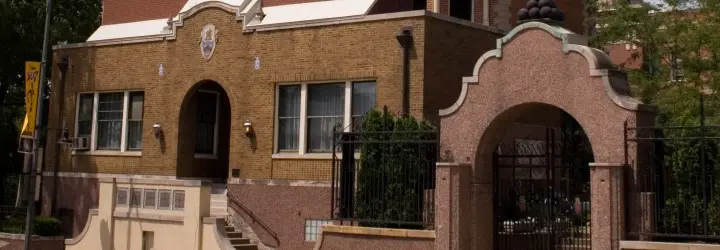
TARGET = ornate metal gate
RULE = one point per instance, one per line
(542, 191)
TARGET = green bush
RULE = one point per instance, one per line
(390, 175)
(44, 226)
(47, 226)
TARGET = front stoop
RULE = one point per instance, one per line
(237, 240)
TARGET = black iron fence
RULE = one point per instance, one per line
(385, 178)
(674, 185)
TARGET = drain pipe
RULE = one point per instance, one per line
(405, 39)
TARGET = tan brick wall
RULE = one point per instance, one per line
(451, 53)
(124, 11)
(338, 52)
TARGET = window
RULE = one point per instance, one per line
(288, 118)
(148, 240)
(112, 121)
(325, 111)
(363, 99)
(122, 197)
(308, 113)
(178, 200)
(135, 121)
(207, 125)
(461, 9)
(676, 72)
(136, 197)
(85, 115)
(313, 227)
(109, 121)
(165, 199)
(150, 198)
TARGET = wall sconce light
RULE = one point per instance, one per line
(65, 138)
(158, 130)
(248, 128)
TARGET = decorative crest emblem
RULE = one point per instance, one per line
(208, 40)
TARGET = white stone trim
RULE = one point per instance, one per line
(271, 182)
(291, 25)
(626, 244)
(171, 180)
(105, 175)
(598, 62)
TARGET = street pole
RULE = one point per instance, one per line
(37, 149)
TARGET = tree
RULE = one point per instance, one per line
(678, 43)
(22, 23)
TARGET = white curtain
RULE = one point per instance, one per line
(135, 121)
(363, 99)
(288, 117)
(109, 121)
(326, 109)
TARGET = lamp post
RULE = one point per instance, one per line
(37, 151)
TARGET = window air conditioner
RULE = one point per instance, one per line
(80, 143)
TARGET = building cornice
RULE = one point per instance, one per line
(244, 18)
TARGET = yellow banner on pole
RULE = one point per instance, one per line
(32, 83)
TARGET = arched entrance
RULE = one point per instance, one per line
(541, 180)
(204, 133)
(538, 72)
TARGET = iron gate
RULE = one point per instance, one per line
(542, 191)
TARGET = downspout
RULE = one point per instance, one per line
(60, 133)
(405, 39)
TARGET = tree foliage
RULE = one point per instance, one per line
(676, 36)
(22, 23)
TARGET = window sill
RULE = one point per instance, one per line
(309, 156)
(108, 153)
(206, 156)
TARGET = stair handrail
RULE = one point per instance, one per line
(256, 219)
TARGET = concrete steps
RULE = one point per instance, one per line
(238, 241)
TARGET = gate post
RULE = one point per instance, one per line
(452, 206)
(608, 205)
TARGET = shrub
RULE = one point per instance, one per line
(44, 226)
(47, 226)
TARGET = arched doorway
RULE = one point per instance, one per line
(541, 180)
(204, 133)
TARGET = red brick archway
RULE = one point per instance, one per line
(549, 65)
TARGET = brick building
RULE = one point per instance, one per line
(159, 96)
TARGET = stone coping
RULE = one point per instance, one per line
(279, 182)
(10, 236)
(146, 181)
(650, 245)
(388, 232)
(91, 214)
(147, 216)
(606, 164)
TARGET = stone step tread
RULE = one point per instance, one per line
(239, 241)
(246, 247)
(234, 235)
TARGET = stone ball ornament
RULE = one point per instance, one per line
(541, 10)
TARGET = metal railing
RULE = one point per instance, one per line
(674, 185)
(385, 178)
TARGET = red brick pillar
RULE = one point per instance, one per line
(452, 210)
(608, 206)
